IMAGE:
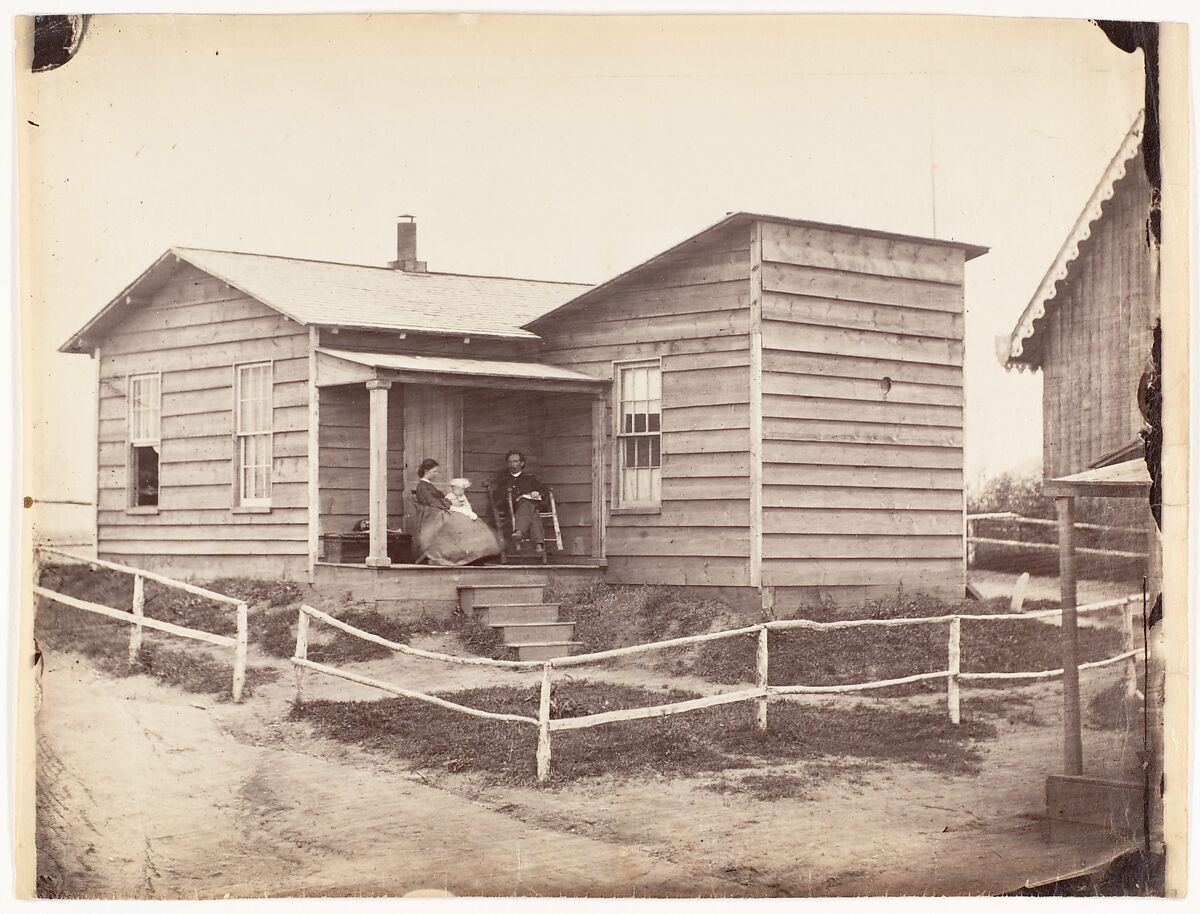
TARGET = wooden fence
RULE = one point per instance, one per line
(973, 540)
(140, 621)
(762, 692)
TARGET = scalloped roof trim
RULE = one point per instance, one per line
(1069, 252)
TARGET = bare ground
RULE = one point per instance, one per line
(148, 792)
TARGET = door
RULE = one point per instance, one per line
(432, 428)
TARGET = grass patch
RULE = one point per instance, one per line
(715, 739)
(275, 633)
(106, 644)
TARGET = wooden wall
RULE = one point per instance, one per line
(691, 310)
(344, 457)
(862, 485)
(193, 330)
(1094, 342)
(565, 463)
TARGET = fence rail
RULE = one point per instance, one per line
(973, 540)
(762, 692)
(138, 619)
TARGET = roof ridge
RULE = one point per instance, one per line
(371, 266)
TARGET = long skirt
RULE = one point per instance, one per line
(450, 538)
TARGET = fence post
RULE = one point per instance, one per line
(954, 665)
(543, 744)
(239, 651)
(760, 677)
(970, 544)
(301, 652)
(139, 611)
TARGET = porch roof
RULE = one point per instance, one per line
(1128, 479)
(343, 366)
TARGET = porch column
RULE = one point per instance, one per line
(377, 554)
(599, 446)
(1072, 734)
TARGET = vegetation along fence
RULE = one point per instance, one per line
(1010, 517)
(762, 693)
(140, 621)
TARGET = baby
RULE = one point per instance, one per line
(458, 498)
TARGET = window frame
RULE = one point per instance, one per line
(241, 503)
(619, 504)
(155, 441)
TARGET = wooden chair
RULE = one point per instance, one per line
(506, 525)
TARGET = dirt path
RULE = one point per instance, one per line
(148, 792)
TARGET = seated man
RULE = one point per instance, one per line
(527, 492)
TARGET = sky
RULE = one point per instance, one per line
(566, 148)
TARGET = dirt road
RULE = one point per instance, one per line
(149, 792)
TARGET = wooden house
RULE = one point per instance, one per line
(772, 407)
(1089, 325)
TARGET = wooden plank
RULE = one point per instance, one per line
(832, 312)
(708, 387)
(732, 322)
(852, 498)
(679, 707)
(313, 448)
(910, 573)
(860, 389)
(861, 287)
(839, 366)
(732, 358)
(705, 488)
(199, 314)
(599, 521)
(787, 406)
(563, 349)
(128, 618)
(187, 357)
(626, 304)
(163, 531)
(683, 570)
(873, 432)
(706, 417)
(264, 328)
(199, 547)
(861, 343)
(678, 541)
(721, 441)
(706, 513)
(862, 522)
(854, 253)
(200, 497)
(882, 477)
(862, 455)
(861, 546)
(217, 515)
(704, 465)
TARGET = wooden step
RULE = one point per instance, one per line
(536, 632)
(472, 595)
(513, 613)
(546, 650)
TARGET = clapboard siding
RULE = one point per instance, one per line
(344, 461)
(566, 466)
(691, 309)
(193, 330)
(862, 405)
(1094, 342)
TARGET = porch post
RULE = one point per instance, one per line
(599, 445)
(1072, 734)
(377, 554)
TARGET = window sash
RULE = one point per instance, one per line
(253, 406)
(639, 434)
(145, 409)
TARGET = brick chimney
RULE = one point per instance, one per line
(406, 247)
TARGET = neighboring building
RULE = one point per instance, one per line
(772, 406)
(1089, 326)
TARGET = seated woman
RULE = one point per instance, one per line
(446, 537)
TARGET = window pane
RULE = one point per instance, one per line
(643, 452)
(656, 485)
(639, 422)
(628, 425)
(640, 379)
(655, 451)
(654, 385)
(653, 421)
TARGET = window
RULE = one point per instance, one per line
(253, 400)
(639, 434)
(145, 411)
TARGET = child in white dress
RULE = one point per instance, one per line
(458, 498)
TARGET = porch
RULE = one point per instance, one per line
(377, 415)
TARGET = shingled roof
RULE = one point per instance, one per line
(354, 296)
